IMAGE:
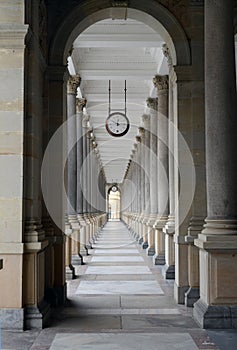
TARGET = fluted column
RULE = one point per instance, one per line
(169, 268)
(80, 104)
(142, 182)
(139, 170)
(146, 145)
(216, 307)
(152, 104)
(73, 83)
(84, 182)
(162, 85)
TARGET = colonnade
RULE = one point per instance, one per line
(86, 184)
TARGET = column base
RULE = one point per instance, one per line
(84, 251)
(169, 272)
(159, 259)
(77, 259)
(37, 317)
(144, 245)
(12, 319)
(89, 246)
(179, 293)
(140, 241)
(70, 272)
(215, 317)
(191, 296)
(150, 251)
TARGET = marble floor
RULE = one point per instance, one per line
(119, 300)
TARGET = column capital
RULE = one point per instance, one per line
(166, 53)
(138, 139)
(161, 82)
(145, 118)
(80, 104)
(85, 120)
(152, 103)
(141, 131)
(73, 83)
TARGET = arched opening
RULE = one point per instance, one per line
(65, 40)
(114, 205)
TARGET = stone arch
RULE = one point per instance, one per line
(149, 12)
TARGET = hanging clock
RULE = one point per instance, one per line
(117, 124)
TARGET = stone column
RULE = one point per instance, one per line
(84, 184)
(146, 145)
(162, 85)
(73, 83)
(139, 190)
(142, 182)
(216, 307)
(152, 104)
(80, 241)
(169, 268)
(199, 204)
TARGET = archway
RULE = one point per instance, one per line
(114, 204)
(160, 19)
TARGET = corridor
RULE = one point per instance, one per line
(119, 300)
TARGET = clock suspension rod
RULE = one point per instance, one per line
(125, 98)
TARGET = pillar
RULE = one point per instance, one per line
(146, 146)
(80, 104)
(152, 104)
(162, 85)
(216, 307)
(169, 228)
(73, 83)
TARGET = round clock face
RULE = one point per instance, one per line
(117, 124)
(114, 188)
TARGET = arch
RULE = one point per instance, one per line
(149, 12)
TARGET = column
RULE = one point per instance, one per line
(139, 169)
(199, 204)
(80, 248)
(152, 104)
(146, 145)
(216, 307)
(169, 268)
(84, 184)
(162, 85)
(142, 181)
(73, 83)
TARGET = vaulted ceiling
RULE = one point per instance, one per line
(117, 50)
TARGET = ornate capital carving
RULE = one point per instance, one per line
(85, 120)
(73, 83)
(152, 103)
(80, 103)
(166, 52)
(145, 118)
(138, 139)
(161, 82)
(141, 131)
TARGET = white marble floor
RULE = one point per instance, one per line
(108, 259)
(119, 287)
(135, 341)
(117, 270)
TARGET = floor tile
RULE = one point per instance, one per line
(109, 259)
(117, 270)
(119, 287)
(105, 341)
